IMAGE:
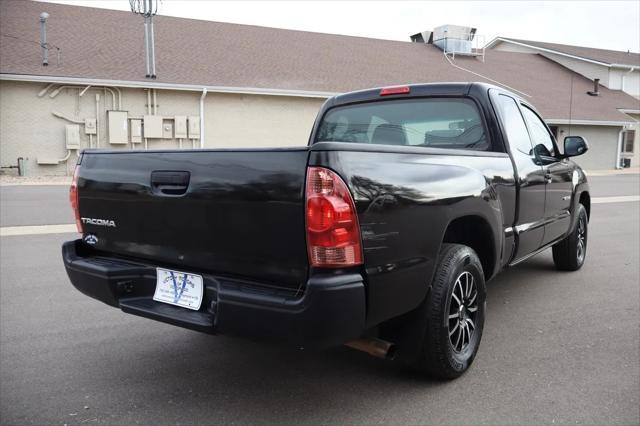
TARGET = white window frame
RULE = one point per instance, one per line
(626, 140)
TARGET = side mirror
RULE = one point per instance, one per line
(542, 155)
(575, 145)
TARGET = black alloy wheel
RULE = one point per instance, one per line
(463, 310)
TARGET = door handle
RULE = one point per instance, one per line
(547, 176)
(170, 183)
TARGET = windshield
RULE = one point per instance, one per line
(432, 122)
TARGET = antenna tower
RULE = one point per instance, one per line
(148, 9)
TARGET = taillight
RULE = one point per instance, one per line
(73, 198)
(333, 234)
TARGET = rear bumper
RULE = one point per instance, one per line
(331, 310)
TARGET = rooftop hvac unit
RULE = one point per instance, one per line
(454, 39)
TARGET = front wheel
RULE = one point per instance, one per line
(570, 253)
(452, 314)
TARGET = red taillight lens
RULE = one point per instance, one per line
(397, 90)
(333, 234)
(73, 198)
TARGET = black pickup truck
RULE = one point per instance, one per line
(379, 234)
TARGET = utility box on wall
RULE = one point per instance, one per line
(167, 130)
(136, 131)
(153, 126)
(180, 126)
(90, 126)
(118, 129)
(72, 136)
(194, 127)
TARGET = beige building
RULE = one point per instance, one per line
(34, 127)
(228, 85)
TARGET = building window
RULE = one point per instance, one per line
(627, 141)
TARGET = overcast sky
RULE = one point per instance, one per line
(604, 24)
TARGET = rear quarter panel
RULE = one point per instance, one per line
(405, 202)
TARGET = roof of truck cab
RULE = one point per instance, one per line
(100, 44)
(423, 89)
(418, 90)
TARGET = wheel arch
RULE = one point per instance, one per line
(476, 232)
(585, 200)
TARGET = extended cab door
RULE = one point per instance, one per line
(558, 175)
(529, 224)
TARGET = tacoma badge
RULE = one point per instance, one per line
(99, 222)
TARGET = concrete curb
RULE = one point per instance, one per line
(35, 181)
(616, 199)
(10, 231)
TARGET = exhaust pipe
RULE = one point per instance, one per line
(376, 347)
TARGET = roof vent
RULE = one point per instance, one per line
(423, 37)
(596, 88)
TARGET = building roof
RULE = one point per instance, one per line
(604, 56)
(107, 44)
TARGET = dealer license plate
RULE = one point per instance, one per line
(178, 288)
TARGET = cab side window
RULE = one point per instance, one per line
(540, 137)
(514, 125)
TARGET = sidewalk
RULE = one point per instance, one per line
(629, 171)
(34, 180)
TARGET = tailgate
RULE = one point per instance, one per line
(235, 213)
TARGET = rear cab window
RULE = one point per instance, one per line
(453, 123)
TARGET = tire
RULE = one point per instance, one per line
(570, 253)
(442, 351)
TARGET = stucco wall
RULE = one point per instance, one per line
(267, 121)
(627, 81)
(509, 47)
(28, 128)
(603, 143)
(587, 69)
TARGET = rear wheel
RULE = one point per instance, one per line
(452, 316)
(570, 253)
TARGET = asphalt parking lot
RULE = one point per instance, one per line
(558, 348)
